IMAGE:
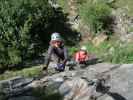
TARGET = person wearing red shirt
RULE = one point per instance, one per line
(81, 56)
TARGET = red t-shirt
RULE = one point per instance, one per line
(81, 56)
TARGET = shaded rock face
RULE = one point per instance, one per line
(24, 98)
(90, 83)
(16, 86)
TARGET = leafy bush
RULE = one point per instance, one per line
(63, 4)
(27, 72)
(121, 54)
(114, 52)
(72, 50)
(125, 4)
(95, 14)
(19, 23)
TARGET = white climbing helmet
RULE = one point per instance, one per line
(56, 37)
(83, 48)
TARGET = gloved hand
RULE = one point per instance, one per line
(61, 67)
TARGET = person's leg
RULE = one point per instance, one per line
(62, 65)
(58, 63)
(53, 65)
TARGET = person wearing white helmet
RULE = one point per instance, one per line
(82, 55)
(56, 37)
(57, 51)
(83, 48)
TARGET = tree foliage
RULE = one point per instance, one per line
(95, 14)
(19, 23)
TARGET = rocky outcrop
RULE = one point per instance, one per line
(122, 24)
(127, 38)
(101, 81)
(121, 21)
(15, 86)
(99, 39)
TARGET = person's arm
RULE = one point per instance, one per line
(48, 56)
(77, 57)
(87, 56)
(65, 55)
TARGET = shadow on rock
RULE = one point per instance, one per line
(91, 62)
(55, 96)
(94, 61)
(116, 96)
(104, 88)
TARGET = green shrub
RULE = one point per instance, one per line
(21, 23)
(127, 4)
(112, 51)
(121, 54)
(64, 4)
(27, 72)
(95, 14)
(72, 50)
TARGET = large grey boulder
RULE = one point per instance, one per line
(121, 82)
(82, 84)
(14, 86)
